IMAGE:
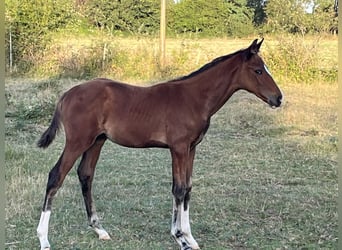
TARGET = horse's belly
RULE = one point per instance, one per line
(136, 136)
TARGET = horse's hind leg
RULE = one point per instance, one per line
(85, 173)
(55, 180)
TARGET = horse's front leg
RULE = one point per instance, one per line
(181, 188)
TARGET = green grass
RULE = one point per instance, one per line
(263, 178)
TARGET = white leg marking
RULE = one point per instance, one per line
(185, 224)
(103, 235)
(94, 220)
(42, 230)
(180, 228)
(175, 219)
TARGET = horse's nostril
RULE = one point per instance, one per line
(280, 99)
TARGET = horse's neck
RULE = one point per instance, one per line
(215, 86)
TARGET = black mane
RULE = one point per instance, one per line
(208, 66)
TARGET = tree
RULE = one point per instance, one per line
(334, 28)
(216, 17)
(197, 16)
(134, 16)
(301, 16)
(239, 18)
(287, 15)
(324, 16)
(259, 11)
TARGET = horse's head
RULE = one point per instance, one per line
(255, 77)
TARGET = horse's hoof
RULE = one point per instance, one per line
(188, 247)
(104, 237)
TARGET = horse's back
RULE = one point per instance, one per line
(93, 93)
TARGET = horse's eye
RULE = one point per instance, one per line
(258, 71)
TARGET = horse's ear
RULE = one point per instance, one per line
(259, 44)
(253, 48)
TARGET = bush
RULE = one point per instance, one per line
(296, 58)
(102, 56)
(29, 23)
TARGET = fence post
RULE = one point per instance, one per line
(10, 52)
(162, 32)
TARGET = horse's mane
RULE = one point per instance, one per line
(208, 66)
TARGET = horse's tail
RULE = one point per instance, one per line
(49, 135)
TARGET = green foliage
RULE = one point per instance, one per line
(305, 16)
(212, 18)
(29, 23)
(290, 57)
(133, 16)
(259, 13)
(285, 15)
(200, 16)
(33, 26)
(239, 19)
(295, 58)
(324, 18)
(101, 55)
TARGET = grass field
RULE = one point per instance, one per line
(263, 178)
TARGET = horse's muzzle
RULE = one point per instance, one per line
(275, 101)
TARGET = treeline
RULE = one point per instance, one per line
(29, 24)
(212, 18)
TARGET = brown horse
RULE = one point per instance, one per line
(174, 114)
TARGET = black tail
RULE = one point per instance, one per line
(49, 135)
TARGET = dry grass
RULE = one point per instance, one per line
(136, 60)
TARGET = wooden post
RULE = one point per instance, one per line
(10, 52)
(162, 32)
